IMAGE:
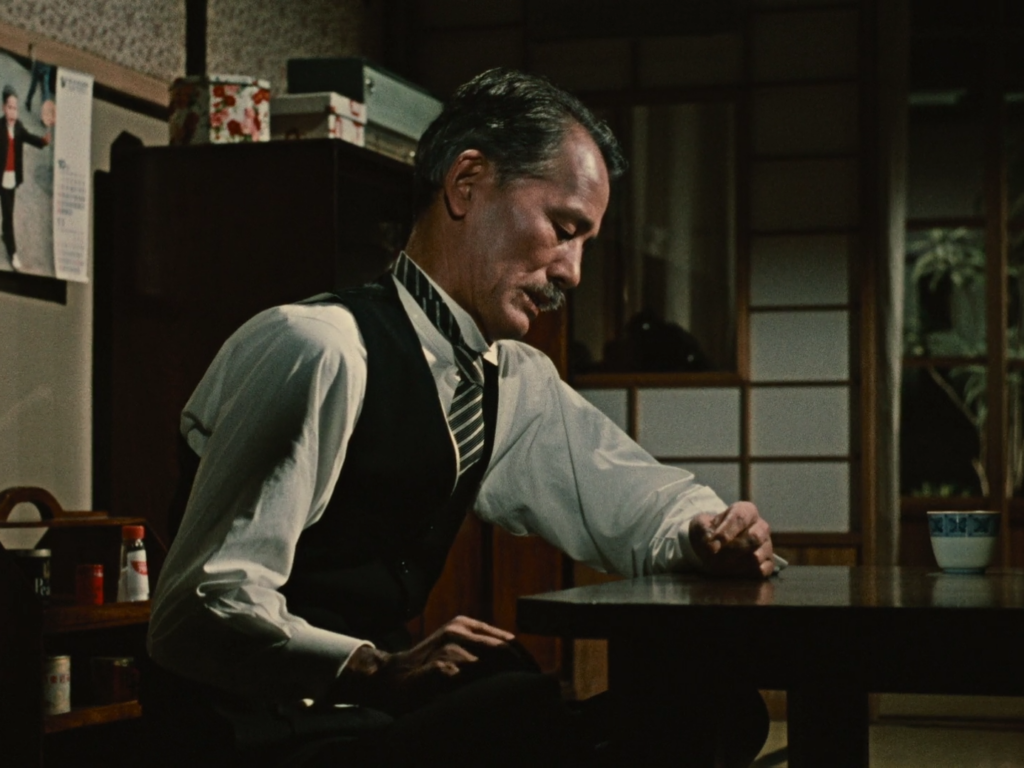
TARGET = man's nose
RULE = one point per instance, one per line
(565, 271)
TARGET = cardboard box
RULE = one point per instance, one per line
(219, 109)
(392, 102)
(318, 116)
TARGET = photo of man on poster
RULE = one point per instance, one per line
(28, 148)
(13, 138)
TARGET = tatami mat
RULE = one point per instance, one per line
(899, 746)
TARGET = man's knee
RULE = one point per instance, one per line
(508, 719)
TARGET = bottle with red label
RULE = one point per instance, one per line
(133, 583)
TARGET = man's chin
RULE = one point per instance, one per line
(514, 326)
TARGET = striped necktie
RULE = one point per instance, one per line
(466, 415)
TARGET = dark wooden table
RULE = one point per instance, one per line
(826, 635)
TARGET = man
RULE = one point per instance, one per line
(12, 138)
(331, 485)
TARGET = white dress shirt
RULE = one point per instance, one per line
(274, 414)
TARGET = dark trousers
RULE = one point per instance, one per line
(510, 718)
(7, 212)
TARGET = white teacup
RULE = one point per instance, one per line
(963, 542)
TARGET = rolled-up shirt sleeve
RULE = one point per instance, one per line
(564, 471)
(270, 421)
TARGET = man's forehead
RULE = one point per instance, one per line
(581, 166)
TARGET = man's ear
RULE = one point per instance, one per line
(469, 169)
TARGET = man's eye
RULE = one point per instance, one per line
(562, 233)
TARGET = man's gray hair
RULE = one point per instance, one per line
(518, 121)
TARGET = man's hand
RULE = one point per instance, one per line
(399, 682)
(736, 542)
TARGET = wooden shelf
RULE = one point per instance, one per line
(80, 717)
(76, 618)
(918, 506)
(622, 379)
(76, 520)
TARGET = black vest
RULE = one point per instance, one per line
(368, 565)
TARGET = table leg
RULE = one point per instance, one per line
(827, 726)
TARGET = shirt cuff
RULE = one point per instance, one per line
(323, 656)
(702, 500)
(691, 560)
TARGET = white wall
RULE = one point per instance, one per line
(46, 361)
(251, 37)
(146, 36)
(46, 348)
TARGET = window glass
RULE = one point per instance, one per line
(946, 155)
(942, 421)
(944, 304)
(658, 291)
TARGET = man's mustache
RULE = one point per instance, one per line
(547, 297)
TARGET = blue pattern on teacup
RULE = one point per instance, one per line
(962, 524)
(984, 526)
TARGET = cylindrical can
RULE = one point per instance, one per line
(89, 584)
(114, 679)
(133, 582)
(56, 685)
(35, 563)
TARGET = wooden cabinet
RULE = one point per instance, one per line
(191, 243)
(30, 631)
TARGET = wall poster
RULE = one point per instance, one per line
(45, 184)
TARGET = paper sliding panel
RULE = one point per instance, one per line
(689, 422)
(613, 403)
(805, 119)
(799, 346)
(722, 477)
(800, 270)
(802, 498)
(804, 194)
(803, 45)
(799, 421)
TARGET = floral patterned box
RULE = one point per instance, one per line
(219, 109)
(318, 116)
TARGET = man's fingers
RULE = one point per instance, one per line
(468, 631)
(752, 539)
(753, 560)
(734, 521)
(764, 554)
(455, 653)
(730, 527)
(718, 519)
(734, 542)
(470, 639)
(477, 627)
(701, 530)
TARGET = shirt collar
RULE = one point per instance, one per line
(471, 334)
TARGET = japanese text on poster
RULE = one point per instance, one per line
(72, 145)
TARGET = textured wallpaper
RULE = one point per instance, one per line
(144, 35)
(251, 37)
(257, 37)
